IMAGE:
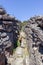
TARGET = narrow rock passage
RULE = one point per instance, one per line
(21, 55)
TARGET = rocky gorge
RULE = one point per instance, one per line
(20, 45)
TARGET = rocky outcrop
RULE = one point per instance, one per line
(30, 50)
(9, 33)
(34, 32)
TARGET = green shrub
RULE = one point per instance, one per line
(18, 43)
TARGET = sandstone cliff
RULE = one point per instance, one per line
(9, 33)
(34, 32)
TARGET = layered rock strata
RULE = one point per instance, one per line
(34, 32)
(9, 32)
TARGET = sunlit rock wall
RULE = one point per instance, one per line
(34, 32)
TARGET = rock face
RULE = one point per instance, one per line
(2, 59)
(9, 32)
(34, 32)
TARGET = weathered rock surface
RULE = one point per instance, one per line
(9, 32)
(2, 59)
(30, 51)
(34, 32)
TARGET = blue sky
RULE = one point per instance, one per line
(23, 9)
